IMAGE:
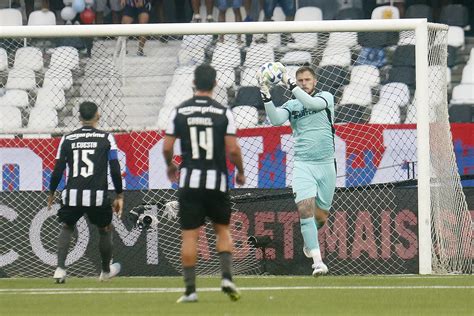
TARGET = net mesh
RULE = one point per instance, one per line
(372, 228)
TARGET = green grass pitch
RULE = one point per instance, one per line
(331, 295)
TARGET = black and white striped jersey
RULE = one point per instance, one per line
(87, 152)
(202, 124)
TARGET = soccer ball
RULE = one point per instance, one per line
(271, 72)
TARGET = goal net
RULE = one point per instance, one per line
(374, 223)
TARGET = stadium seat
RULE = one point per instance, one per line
(404, 56)
(365, 75)
(188, 57)
(3, 60)
(245, 116)
(356, 94)
(280, 95)
(351, 113)
(42, 17)
(402, 74)
(311, 13)
(306, 40)
(10, 17)
(385, 113)
(43, 117)
(58, 77)
(196, 41)
(249, 96)
(418, 11)
(16, 98)
(350, 14)
(220, 95)
(454, 15)
(471, 56)
(455, 36)
(296, 58)
(64, 57)
(258, 54)
(225, 77)
(226, 55)
(21, 78)
(328, 8)
(336, 56)
(406, 38)
(461, 113)
(29, 57)
(10, 118)
(396, 93)
(348, 39)
(463, 94)
(468, 74)
(50, 97)
(371, 56)
(385, 12)
(248, 77)
(331, 78)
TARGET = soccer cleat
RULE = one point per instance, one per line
(307, 252)
(114, 270)
(229, 288)
(60, 275)
(191, 298)
(319, 269)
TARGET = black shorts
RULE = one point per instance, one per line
(197, 204)
(100, 216)
(134, 12)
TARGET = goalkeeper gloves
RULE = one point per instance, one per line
(264, 88)
(286, 79)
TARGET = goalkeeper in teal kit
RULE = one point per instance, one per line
(311, 115)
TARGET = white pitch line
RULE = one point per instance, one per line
(65, 291)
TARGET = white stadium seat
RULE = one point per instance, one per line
(43, 117)
(385, 113)
(396, 93)
(50, 97)
(385, 12)
(10, 17)
(245, 116)
(348, 39)
(356, 94)
(258, 54)
(248, 77)
(58, 77)
(183, 75)
(42, 17)
(463, 94)
(468, 74)
(455, 36)
(176, 94)
(21, 78)
(306, 40)
(226, 55)
(3, 60)
(220, 95)
(336, 56)
(225, 77)
(365, 75)
(29, 57)
(10, 118)
(16, 98)
(296, 58)
(64, 57)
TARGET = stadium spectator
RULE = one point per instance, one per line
(100, 6)
(137, 9)
(87, 152)
(311, 115)
(196, 4)
(29, 6)
(203, 189)
(288, 6)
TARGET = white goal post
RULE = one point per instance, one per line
(431, 165)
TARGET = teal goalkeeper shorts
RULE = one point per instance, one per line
(311, 179)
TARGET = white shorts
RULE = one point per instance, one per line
(100, 5)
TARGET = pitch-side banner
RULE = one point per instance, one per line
(365, 154)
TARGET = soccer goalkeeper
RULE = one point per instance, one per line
(314, 175)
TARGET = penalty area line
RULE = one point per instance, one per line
(65, 291)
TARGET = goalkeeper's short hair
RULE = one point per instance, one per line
(204, 77)
(306, 68)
